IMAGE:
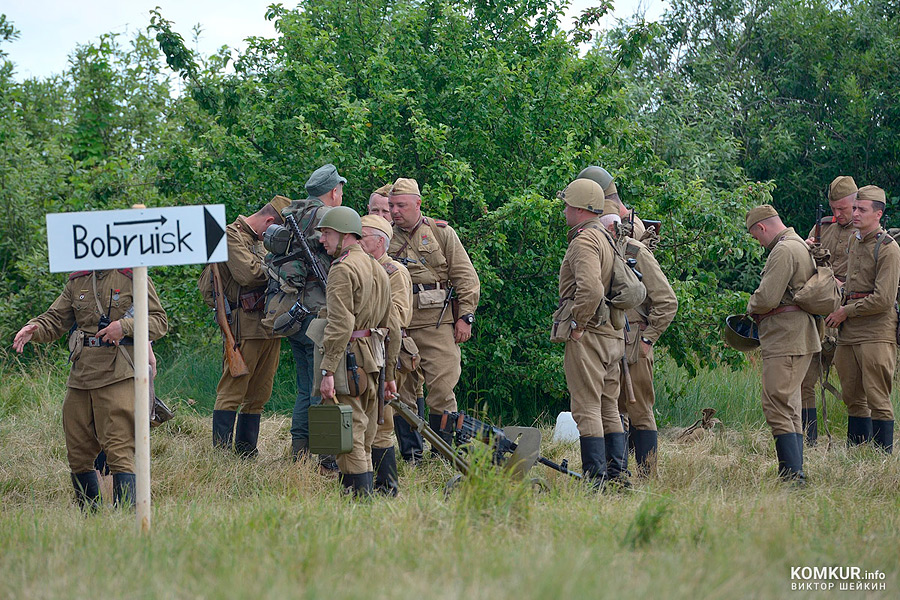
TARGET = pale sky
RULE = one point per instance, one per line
(50, 29)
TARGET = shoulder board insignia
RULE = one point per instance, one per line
(342, 256)
(828, 220)
(440, 223)
(885, 238)
(78, 274)
(632, 250)
(390, 268)
(126, 272)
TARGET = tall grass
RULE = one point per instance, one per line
(716, 524)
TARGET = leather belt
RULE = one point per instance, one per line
(360, 333)
(95, 342)
(841, 279)
(418, 287)
(775, 311)
(858, 295)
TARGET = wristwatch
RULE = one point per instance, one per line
(646, 341)
(325, 373)
(469, 318)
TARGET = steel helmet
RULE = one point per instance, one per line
(598, 174)
(741, 333)
(342, 219)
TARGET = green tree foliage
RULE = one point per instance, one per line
(799, 91)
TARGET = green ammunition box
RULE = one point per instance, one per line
(330, 429)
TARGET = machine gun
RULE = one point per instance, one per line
(518, 456)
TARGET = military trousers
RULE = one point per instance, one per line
(302, 348)
(781, 404)
(250, 393)
(592, 376)
(100, 419)
(440, 366)
(640, 412)
(866, 372)
(365, 425)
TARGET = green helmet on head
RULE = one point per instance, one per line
(598, 174)
(342, 219)
(741, 333)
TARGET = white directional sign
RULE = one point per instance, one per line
(146, 237)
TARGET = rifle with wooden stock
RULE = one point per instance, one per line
(236, 365)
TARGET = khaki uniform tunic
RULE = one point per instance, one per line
(592, 363)
(867, 351)
(650, 320)
(435, 257)
(835, 238)
(242, 273)
(401, 313)
(98, 411)
(789, 339)
(358, 297)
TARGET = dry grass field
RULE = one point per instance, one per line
(716, 524)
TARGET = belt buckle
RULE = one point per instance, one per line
(94, 342)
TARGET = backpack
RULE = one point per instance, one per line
(626, 291)
(820, 295)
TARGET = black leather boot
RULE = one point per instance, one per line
(883, 435)
(616, 458)
(360, 484)
(246, 435)
(810, 425)
(859, 430)
(788, 449)
(646, 446)
(124, 489)
(434, 422)
(629, 443)
(593, 460)
(87, 490)
(223, 428)
(299, 448)
(385, 462)
(412, 446)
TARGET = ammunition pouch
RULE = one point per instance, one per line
(561, 330)
(616, 316)
(253, 301)
(431, 298)
(632, 343)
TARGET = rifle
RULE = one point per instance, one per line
(303, 252)
(466, 428)
(444, 308)
(817, 237)
(236, 365)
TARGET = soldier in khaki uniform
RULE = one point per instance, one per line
(646, 324)
(377, 234)
(436, 260)
(788, 336)
(605, 180)
(98, 411)
(378, 202)
(244, 280)
(358, 300)
(594, 348)
(294, 281)
(867, 344)
(835, 232)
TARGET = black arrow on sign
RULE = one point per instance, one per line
(161, 220)
(214, 232)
